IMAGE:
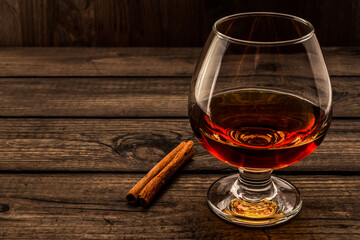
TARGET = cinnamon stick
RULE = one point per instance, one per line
(133, 194)
(151, 189)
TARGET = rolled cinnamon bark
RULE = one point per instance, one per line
(155, 184)
(133, 194)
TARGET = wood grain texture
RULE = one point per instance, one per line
(135, 62)
(10, 28)
(36, 27)
(93, 206)
(94, 97)
(74, 23)
(159, 23)
(92, 62)
(136, 145)
(127, 97)
(112, 24)
(57, 23)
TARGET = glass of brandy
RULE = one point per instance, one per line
(260, 100)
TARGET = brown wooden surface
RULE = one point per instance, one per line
(127, 97)
(159, 90)
(101, 118)
(134, 62)
(92, 206)
(135, 145)
(158, 23)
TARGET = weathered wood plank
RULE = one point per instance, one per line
(138, 144)
(94, 97)
(93, 206)
(126, 97)
(97, 61)
(101, 62)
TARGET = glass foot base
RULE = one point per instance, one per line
(229, 198)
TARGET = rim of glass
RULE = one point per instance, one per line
(259, 43)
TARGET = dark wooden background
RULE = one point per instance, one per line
(158, 23)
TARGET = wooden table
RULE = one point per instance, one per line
(80, 126)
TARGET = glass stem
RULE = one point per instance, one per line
(256, 186)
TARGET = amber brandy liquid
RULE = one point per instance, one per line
(258, 129)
